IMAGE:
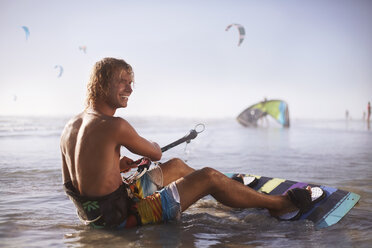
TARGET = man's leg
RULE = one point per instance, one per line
(174, 169)
(228, 192)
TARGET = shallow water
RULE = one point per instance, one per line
(34, 211)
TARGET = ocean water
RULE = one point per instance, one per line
(35, 212)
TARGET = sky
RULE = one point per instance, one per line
(315, 55)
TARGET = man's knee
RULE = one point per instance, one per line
(177, 166)
(176, 161)
(210, 173)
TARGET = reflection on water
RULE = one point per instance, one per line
(34, 211)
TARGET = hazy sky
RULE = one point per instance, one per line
(316, 55)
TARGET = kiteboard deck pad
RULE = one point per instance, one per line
(335, 205)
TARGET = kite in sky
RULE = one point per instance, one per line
(27, 32)
(60, 68)
(83, 48)
(240, 29)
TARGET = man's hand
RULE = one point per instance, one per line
(126, 164)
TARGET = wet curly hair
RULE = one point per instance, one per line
(102, 74)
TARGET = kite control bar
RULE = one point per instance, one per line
(144, 163)
(192, 135)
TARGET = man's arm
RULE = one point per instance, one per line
(128, 137)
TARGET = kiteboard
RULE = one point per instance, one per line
(331, 209)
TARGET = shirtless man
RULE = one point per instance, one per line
(91, 166)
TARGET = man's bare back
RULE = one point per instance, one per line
(90, 145)
(87, 141)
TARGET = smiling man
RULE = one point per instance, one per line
(91, 166)
(91, 161)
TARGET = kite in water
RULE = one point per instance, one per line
(83, 48)
(277, 109)
(240, 29)
(60, 68)
(27, 31)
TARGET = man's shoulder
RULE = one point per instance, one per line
(101, 123)
(112, 123)
(119, 122)
(77, 119)
(71, 128)
(115, 128)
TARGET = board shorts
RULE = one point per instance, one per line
(162, 206)
(150, 203)
(150, 182)
(155, 203)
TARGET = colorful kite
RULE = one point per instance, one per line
(277, 109)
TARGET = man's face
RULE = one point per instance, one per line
(120, 88)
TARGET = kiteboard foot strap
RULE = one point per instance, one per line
(249, 181)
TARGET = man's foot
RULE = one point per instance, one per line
(298, 202)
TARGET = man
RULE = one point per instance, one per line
(91, 166)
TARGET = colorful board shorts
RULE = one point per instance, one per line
(150, 182)
(154, 204)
